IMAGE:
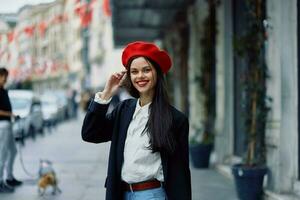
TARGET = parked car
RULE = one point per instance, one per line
(18, 125)
(28, 106)
(61, 101)
(51, 112)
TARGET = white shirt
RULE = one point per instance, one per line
(140, 164)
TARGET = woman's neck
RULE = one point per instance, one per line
(145, 99)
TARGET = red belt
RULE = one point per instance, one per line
(142, 185)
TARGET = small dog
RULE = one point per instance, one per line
(47, 178)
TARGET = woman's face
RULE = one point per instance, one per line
(143, 76)
(3, 79)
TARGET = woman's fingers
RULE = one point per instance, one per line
(116, 79)
(122, 81)
(119, 75)
(122, 73)
(116, 76)
(114, 82)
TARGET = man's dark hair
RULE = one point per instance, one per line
(3, 71)
(160, 118)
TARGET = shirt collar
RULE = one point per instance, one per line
(143, 110)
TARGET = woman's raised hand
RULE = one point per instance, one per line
(113, 84)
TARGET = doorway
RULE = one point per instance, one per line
(239, 25)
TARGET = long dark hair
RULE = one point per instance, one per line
(3, 71)
(160, 120)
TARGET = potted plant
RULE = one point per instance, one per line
(201, 143)
(249, 174)
(200, 151)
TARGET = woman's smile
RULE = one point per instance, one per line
(142, 83)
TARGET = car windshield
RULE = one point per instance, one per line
(18, 103)
(48, 100)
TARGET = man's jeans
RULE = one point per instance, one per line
(152, 194)
(8, 149)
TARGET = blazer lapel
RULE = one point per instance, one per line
(126, 117)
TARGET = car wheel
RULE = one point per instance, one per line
(22, 138)
(32, 132)
(41, 130)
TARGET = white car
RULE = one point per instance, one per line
(28, 107)
(61, 100)
(50, 108)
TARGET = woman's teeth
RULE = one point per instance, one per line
(142, 83)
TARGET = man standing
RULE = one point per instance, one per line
(8, 148)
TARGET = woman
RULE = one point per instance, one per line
(149, 156)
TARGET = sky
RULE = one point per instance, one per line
(8, 6)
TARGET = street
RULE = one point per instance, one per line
(81, 168)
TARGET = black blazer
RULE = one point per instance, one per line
(101, 127)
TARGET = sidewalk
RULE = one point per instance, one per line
(208, 184)
(81, 169)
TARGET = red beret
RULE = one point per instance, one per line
(148, 50)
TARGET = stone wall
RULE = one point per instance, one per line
(282, 131)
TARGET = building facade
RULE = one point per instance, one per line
(282, 59)
(182, 38)
(8, 45)
(57, 45)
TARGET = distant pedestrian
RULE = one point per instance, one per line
(85, 99)
(74, 104)
(8, 148)
(149, 154)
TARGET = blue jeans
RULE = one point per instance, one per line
(152, 194)
(8, 149)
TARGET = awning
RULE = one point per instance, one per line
(143, 19)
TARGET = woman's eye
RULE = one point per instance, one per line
(147, 70)
(133, 72)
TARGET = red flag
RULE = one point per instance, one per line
(86, 19)
(42, 28)
(92, 3)
(106, 8)
(54, 67)
(59, 18)
(10, 36)
(81, 10)
(29, 30)
(66, 67)
(65, 17)
(85, 12)
(21, 60)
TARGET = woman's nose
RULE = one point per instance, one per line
(141, 74)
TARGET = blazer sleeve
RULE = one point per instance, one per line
(179, 180)
(97, 125)
(184, 151)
